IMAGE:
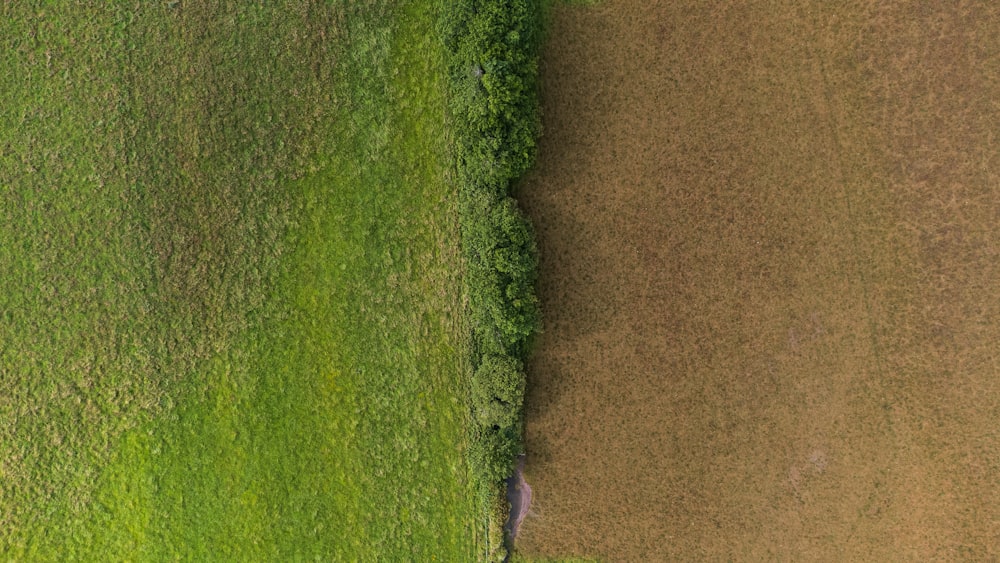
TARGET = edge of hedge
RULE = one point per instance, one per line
(491, 49)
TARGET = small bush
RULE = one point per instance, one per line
(491, 454)
(498, 391)
(502, 263)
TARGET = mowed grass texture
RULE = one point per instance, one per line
(768, 259)
(229, 285)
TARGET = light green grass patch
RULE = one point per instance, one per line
(232, 286)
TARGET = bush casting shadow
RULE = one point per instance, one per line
(492, 50)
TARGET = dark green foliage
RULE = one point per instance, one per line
(494, 71)
(492, 49)
(498, 391)
(502, 261)
(491, 454)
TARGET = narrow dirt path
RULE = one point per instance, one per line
(519, 497)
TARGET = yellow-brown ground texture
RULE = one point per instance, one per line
(770, 272)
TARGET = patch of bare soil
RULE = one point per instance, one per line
(770, 237)
(519, 498)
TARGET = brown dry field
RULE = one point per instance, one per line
(770, 272)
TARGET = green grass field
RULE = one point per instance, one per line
(230, 285)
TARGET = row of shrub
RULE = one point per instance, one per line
(492, 50)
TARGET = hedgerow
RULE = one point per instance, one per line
(498, 391)
(492, 50)
(493, 65)
(502, 262)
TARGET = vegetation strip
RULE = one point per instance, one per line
(492, 50)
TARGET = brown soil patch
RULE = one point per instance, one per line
(770, 238)
(519, 499)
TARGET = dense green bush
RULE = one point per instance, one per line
(502, 263)
(493, 63)
(491, 452)
(498, 391)
(492, 48)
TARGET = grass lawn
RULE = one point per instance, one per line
(230, 293)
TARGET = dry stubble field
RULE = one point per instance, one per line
(770, 240)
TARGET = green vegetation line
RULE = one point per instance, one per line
(492, 48)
